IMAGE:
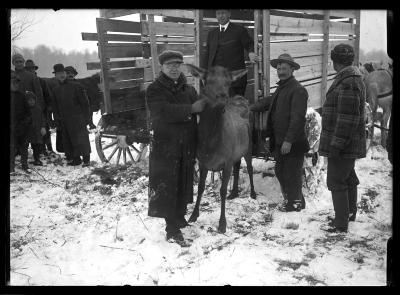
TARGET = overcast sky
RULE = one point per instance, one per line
(62, 28)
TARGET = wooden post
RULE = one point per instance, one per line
(325, 55)
(256, 29)
(104, 66)
(357, 44)
(153, 46)
(266, 51)
(198, 18)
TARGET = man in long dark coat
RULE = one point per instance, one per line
(343, 135)
(172, 103)
(20, 116)
(31, 67)
(226, 46)
(286, 130)
(71, 109)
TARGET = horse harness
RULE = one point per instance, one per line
(389, 92)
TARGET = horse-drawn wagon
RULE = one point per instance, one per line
(128, 51)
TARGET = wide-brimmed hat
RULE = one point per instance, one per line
(71, 69)
(58, 68)
(285, 57)
(30, 64)
(170, 55)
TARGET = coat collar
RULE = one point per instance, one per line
(284, 83)
(344, 73)
(171, 84)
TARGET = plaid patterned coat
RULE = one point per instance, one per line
(343, 112)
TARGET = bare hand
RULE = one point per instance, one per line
(198, 106)
(253, 57)
(43, 131)
(286, 146)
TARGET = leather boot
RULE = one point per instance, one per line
(352, 195)
(341, 207)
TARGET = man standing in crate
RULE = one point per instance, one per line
(343, 135)
(226, 45)
(172, 104)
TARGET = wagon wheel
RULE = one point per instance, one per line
(111, 147)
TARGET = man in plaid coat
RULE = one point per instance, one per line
(343, 135)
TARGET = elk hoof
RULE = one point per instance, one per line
(222, 227)
(233, 195)
(253, 195)
(193, 218)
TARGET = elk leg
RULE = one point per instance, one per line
(200, 190)
(384, 123)
(226, 174)
(248, 159)
(235, 191)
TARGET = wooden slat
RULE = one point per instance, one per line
(126, 84)
(113, 25)
(314, 94)
(266, 51)
(236, 14)
(164, 28)
(112, 37)
(166, 12)
(333, 13)
(357, 42)
(153, 47)
(325, 54)
(138, 63)
(110, 13)
(281, 24)
(198, 17)
(118, 50)
(300, 49)
(190, 81)
(255, 45)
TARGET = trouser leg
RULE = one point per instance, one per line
(36, 148)
(279, 173)
(341, 207)
(292, 173)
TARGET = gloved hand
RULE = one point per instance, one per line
(198, 106)
(43, 131)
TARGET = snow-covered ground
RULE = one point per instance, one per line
(89, 226)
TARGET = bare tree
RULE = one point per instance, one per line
(21, 21)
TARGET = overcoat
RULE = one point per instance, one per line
(173, 145)
(343, 116)
(71, 107)
(38, 121)
(30, 82)
(286, 120)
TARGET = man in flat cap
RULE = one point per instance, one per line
(71, 110)
(226, 46)
(286, 121)
(29, 81)
(173, 105)
(343, 135)
(31, 67)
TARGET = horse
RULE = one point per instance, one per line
(224, 134)
(379, 89)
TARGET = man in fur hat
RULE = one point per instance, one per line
(287, 108)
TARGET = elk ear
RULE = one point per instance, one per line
(238, 74)
(196, 72)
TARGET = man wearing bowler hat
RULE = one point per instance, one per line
(286, 121)
(71, 110)
(31, 67)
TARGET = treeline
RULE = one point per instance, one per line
(378, 56)
(45, 57)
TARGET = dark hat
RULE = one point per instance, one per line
(30, 64)
(58, 68)
(343, 54)
(71, 69)
(286, 58)
(17, 56)
(169, 55)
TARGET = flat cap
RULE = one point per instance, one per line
(169, 55)
(17, 56)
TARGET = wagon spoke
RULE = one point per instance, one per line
(130, 155)
(119, 155)
(110, 145)
(124, 157)
(136, 150)
(112, 154)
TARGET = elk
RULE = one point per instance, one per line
(224, 134)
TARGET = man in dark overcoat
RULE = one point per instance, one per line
(343, 135)
(31, 67)
(226, 46)
(71, 110)
(286, 121)
(29, 81)
(20, 116)
(172, 104)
